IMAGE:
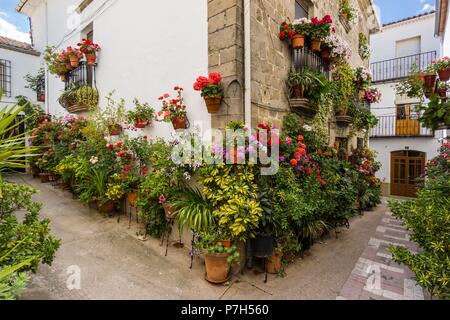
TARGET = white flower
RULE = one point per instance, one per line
(301, 21)
(307, 128)
(93, 160)
(187, 176)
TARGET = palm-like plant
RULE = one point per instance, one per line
(194, 211)
(13, 152)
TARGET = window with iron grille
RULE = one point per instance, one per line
(5, 77)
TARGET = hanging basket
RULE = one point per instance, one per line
(91, 58)
(298, 41)
(179, 123)
(315, 44)
(430, 80)
(444, 74)
(213, 104)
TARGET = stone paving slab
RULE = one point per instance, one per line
(376, 276)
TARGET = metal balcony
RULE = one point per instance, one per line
(304, 58)
(83, 75)
(393, 126)
(399, 68)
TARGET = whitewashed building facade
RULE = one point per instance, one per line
(402, 144)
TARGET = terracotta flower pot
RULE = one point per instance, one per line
(421, 76)
(141, 124)
(179, 123)
(72, 146)
(362, 93)
(326, 54)
(213, 104)
(63, 77)
(274, 263)
(69, 66)
(115, 130)
(342, 112)
(132, 198)
(107, 207)
(91, 58)
(297, 92)
(225, 243)
(442, 93)
(45, 177)
(430, 80)
(75, 62)
(41, 98)
(444, 74)
(298, 41)
(315, 44)
(169, 210)
(429, 92)
(217, 267)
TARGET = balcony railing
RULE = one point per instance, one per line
(305, 58)
(392, 126)
(398, 68)
(83, 75)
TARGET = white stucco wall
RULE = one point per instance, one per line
(383, 43)
(21, 64)
(147, 49)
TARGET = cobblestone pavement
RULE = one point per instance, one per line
(376, 276)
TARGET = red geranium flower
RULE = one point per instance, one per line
(294, 162)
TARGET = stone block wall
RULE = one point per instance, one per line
(226, 56)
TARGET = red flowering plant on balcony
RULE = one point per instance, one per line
(320, 28)
(172, 107)
(88, 47)
(286, 31)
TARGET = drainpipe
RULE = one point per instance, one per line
(247, 65)
(47, 95)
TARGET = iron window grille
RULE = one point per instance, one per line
(5, 77)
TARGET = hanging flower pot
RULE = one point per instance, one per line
(297, 92)
(115, 130)
(263, 245)
(217, 267)
(274, 263)
(179, 123)
(69, 66)
(132, 198)
(444, 74)
(169, 211)
(315, 44)
(74, 61)
(430, 80)
(213, 103)
(326, 54)
(45, 177)
(63, 77)
(91, 58)
(41, 98)
(141, 124)
(106, 207)
(298, 41)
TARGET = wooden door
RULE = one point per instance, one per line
(407, 123)
(406, 167)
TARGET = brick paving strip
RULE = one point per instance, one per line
(376, 276)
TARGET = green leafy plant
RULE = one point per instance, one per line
(436, 113)
(142, 112)
(37, 82)
(312, 83)
(350, 13)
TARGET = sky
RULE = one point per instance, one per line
(14, 25)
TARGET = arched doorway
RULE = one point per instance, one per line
(406, 167)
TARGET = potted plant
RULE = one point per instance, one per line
(141, 116)
(37, 84)
(212, 91)
(319, 30)
(372, 95)
(363, 78)
(174, 110)
(112, 116)
(436, 114)
(218, 259)
(430, 77)
(74, 56)
(301, 28)
(90, 50)
(347, 11)
(336, 49)
(300, 83)
(442, 89)
(56, 63)
(442, 66)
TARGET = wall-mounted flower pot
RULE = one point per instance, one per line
(297, 92)
(169, 211)
(141, 124)
(326, 54)
(274, 263)
(302, 107)
(69, 66)
(298, 41)
(115, 130)
(63, 77)
(213, 104)
(342, 119)
(263, 245)
(217, 267)
(442, 93)
(315, 44)
(179, 123)
(132, 198)
(91, 58)
(41, 98)
(444, 74)
(45, 177)
(106, 207)
(74, 62)
(430, 80)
